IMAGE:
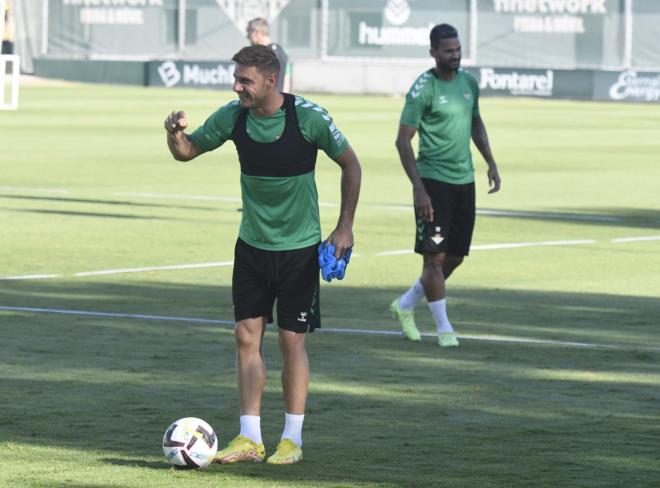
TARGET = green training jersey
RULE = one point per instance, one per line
(279, 212)
(442, 112)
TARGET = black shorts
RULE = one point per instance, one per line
(291, 277)
(453, 219)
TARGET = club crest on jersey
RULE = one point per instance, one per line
(437, 237)
(442, 99)
(467, 95)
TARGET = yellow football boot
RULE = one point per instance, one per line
(241, 449)
(287, 452)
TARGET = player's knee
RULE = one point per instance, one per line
(245, 337)
(434, 262)
(292, 343)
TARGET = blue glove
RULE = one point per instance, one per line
(332, 267)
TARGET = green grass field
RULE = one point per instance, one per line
(556, 382)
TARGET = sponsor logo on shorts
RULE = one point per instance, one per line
(303, 317)
(437, 237)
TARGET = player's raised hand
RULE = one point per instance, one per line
(176, 121)
(494, 179)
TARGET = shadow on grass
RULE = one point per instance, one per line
(137, 463)
(71, 213)
(612, 217)
(122, 203)
(380, 408)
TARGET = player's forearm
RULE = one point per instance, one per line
(408, 161)
(351, 178)
(480, 138)
(181, 146)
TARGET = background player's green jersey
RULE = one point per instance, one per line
(442, 111)
(280, 211)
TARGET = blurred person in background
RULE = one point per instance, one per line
(8, 31)
(258, 33)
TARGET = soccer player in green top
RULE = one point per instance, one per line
(277, 137)
(443, 105)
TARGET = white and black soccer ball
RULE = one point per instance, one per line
(190, 443)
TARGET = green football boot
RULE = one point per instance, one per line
(407, 320)
(447, 339)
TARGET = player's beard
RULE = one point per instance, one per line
(245, 99)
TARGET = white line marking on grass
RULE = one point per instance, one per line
(510, 213)
(636, 239)
(503, 339)
(395, 253)
(397, 208)
(398, 252)
(547, 215)
(512, 245)
(525, 340)
(30, 277)
(155, 268)
(162, 196)
(33, 190)
(499, 338)
(116, 315)
(207, 198)
(509, 245)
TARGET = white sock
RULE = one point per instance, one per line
(251, 427)
(293, 428)
(439, 313)
(410, 298)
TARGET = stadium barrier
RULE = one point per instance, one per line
(622, 85)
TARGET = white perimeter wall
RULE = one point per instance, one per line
(356, 77)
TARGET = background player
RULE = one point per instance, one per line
(443, 105)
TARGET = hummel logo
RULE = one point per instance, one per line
(420, 229)
(397, 12)
(303, 317)
(419, 84)
(442, 99)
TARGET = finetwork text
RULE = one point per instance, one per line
(551, 6)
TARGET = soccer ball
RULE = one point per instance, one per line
(190, 443)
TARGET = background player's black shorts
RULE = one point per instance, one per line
(453, 219)
(290, 277)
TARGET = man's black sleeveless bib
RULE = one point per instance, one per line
(290, 155)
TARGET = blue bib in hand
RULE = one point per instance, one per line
(332, 267)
